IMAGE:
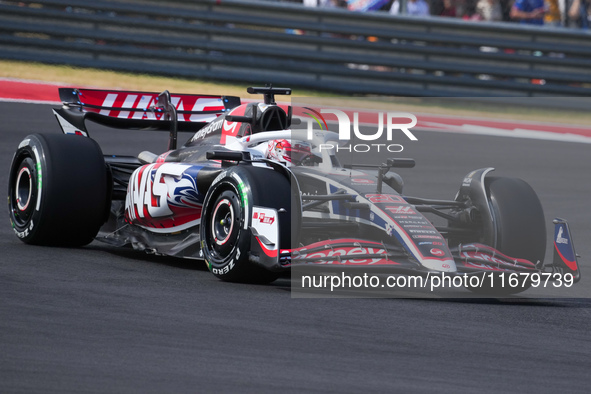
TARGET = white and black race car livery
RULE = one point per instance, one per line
(253, 196)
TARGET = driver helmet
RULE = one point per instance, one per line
(288, 151)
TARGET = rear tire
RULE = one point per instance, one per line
(57, 190)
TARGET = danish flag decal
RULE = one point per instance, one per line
(264, 218)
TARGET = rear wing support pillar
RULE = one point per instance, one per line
(164, 104)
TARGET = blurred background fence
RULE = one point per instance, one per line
(288, 44)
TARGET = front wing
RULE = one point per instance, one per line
(470, 259)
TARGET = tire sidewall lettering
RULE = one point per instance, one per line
(225, 270)
(28, 149)
(221, 184)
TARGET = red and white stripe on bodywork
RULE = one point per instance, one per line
(343, 252)
(113, 102)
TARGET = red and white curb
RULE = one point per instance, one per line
(24, 91)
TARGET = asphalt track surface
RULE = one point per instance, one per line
(98, 319)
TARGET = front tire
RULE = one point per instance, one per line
(225, 242)
(520, 229)
(520, 222)
(57, 190)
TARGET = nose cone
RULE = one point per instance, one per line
(447, 265)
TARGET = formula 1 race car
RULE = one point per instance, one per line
(253, 196)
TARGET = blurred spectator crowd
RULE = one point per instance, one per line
(553, 13)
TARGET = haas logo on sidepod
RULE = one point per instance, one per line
(162, 190)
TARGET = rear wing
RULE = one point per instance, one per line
(139, 110)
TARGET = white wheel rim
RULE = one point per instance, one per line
(225, 201)
(29, 190)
